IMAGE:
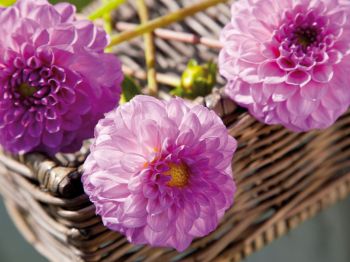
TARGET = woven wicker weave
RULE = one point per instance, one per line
(283, 178)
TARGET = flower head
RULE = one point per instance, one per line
(288, 61)
(160, 172)
(55, 80)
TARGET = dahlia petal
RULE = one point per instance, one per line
(150, 191)
(283, 91)
(271, 72)
(67, 12)
(104, 158)
(41, 38)
(339, 17)
(62, 57)
(299, 78)
(36, 129)
(66, 95)
(117, 193)
(53, 126)
(270, 51)
(185, 138)
(82, 102)
(241, 92)
(191, 122)
(330, 100)
(313, 90)
(322, 73)
(52, 140)
(45, 55)
(155, 238)
(9, 17)
(335, 57)
(148, 132)
(199, 227)
(286, 64)
(182, 241)
(262, 11)
(100, 41)
(158, 222)
(153, 207)
(308, 57)
(299, 106)
(175, 110)
(134, 222)
(71, 123)
(86, 32)
(135, 210)
(27, 7)
(17, 129)
(27, 50)
(63, 36)
(45, 15)
(132, 163)
(162, 186)
(282, 113)
(323, 116)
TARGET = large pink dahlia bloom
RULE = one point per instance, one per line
(288, 61)
(55, 80)
(160, 172)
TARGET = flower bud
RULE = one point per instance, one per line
(197, 80)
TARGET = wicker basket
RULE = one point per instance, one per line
(283, 178)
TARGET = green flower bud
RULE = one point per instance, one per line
(198, 80)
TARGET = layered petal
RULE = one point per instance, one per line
(168, 182)
(52, 94)
(283, 58)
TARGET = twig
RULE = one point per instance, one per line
(160, 78)
(149, 50)
(164, 20)
(175, 36)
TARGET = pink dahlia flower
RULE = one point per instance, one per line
(160, 172)
(55, 80)
(288, 61)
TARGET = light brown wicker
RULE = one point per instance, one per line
(283, 178)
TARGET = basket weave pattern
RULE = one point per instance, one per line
(283, 178)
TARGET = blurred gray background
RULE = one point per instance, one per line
(325, 238)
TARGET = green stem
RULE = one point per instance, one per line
(149, 50)
(107, 24)
(7, 2)
(107, 8)
(164, 21)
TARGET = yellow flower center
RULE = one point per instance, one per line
(179, 175)
(26, 90)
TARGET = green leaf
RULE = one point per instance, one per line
(177, 92)
(129, 89)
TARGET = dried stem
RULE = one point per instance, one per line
(169, 80)
(149, 50)
(175, 36)
(164, 20)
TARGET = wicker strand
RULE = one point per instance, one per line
(175, 36)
